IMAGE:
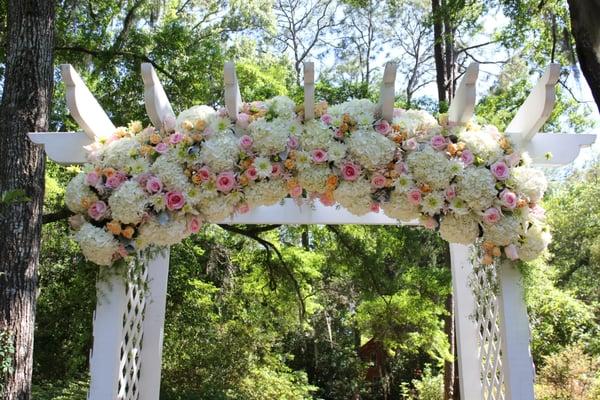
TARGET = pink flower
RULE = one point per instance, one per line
(252, 173)
(339, 134)
(326, 119)
(401, 167)
(122, 251)
(293, 142)
(492, 215)
(97, 210)
(467, 157)
(513, 159)
(92, 178)
(414, 197)
(410, 144)
(175, 200)
(246, 142)
(319, 155)
(509, 199)
(222, 112)
(383, 127)
(398, 112)
(154, 185)
(161, 148)
(193, 224)
(511, 252)
(243, 208)
(116, 180)
(438, 142)
(327, 200)
(429, 223)
(170, 123)
(538, 212)
(500, 170)
(350, 171)
(204, 173)
(378, 181)
(276, 169)
(225, 181)
(243, 120)
(374, 207)
(176, 137)
(450, 192)
(296, 191)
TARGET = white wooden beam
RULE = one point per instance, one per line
(387, 95)
(157, 103)
(233, 98)
(563, 148)
(467, 332)
(309, 90)
(463, 103)
(519, 371)
(65, 148)
(536, 109)
(83, 106)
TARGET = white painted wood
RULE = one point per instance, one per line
(467, 335)
(233, 98)
(519, 371)
(65, 148)
(83, 106)
(387, 95)
(463, 103)
(153, 327)
(105, 358)
(157, 103)
(536, 109)
(309, 90)
(563, 148)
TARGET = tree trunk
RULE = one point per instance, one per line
(25, 107)
(449, 365)
(585, 28)
(438, 51)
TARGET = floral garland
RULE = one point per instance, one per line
(154, 187)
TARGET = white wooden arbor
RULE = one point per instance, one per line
(492, 331)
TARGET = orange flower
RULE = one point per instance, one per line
(146, 150)
(197, 179)
(200, 124)
(425, 188)
(289, 163)
(332, 182)
(487, 260)
(496, 252)
(460, 146)
(155, 138)
(292, 183)
(114, 227)
(246, 163)
(128, 232)
(108, 172)
(86, 202)
(452, 149)
(197, 137)
(488, 246)
(244, 180)
(521, 203)
(328, 196)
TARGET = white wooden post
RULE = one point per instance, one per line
(519, 371)
(463, 103)
(309, 90)
(158, 106)
(233, 98)
(388, 92)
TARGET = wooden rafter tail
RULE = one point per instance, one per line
(536, 109)
(83, 106)
(463, 104)
(233, 98)
(157, 103)
(309, 90)
(388, 91)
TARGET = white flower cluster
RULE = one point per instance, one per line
(128, 203)
(77, 191)
(361, 110)
(354, 196)
(370, 148)
(282, 106)
(503, 232)
(314, 179)
(121, 154)
(530, 181)
(399, 208)
(265, 192)
(167, 233)
(482, 143)
(316, 136)
(459, 229)
(271, 137)
(191, 115)
(477, 187)
(97, 245)
(220, 152)
(416, 123)
(431, 167)
(170, 173)
(535, 241)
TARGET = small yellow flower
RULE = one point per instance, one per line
(200, 124)
(121, 132)
(155, 138)
(187, 125)
(136, 126)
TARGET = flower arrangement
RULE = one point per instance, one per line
(151, 186)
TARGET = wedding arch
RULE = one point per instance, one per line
(494, 358)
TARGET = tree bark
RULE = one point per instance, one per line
(25, 107)
(438, 50)
(586, 31)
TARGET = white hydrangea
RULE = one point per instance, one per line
(220, 152)
(271, 137)
(431, 167)
(120, 154)
(534, 242)
(370, 148)
(217, 208)
(128, 203)
(170, 173)
(362, 110)
(416, 123)
(399, 208)
(404, 183)
(265, 192)
(316, 136)
(303, 160)
(282, 106)
(432, 203)
(482, 144)
(97, 245)
(219, 124)
(76, 192)
(476, 186)
(503, 232)
(337, 151)
(162, 233)
(530, 181)
(314, 179)
(193, 114)
(354, 196)
(459, 229)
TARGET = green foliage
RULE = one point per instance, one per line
(58, 390)
(430, 386)
(7, 352)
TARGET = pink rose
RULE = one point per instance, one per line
(161, 148)
(401, 167)
(467, 157)
(511, 252)
(339, 134)
(538, 212)
(115, 180)
(243, 208)
(222, 112)
(243, 120)
(204, 173)
(414, 197)
(438, 142)
(252, 173)
(175, 200)
(450, 192)
(383, 127)
(154, 185)
(374, 207)
(326, 119)
(97, 210)
(170, 123)
(193, 224)
(276, 169)
(176, 137)
(378, 181)
(246, 142)
(296, 191)
(350, 171)
(293, 142)
(500, 170)
(509, 199)
(122, 251)
(225, 181)
(492, 215)
(429, 223)
(92, 178)
(513, 159)
(319, 155)
(410, 144)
